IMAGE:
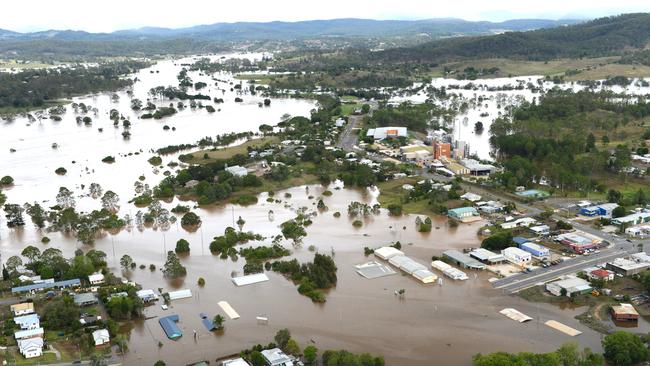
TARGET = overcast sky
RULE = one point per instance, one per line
(106, 16)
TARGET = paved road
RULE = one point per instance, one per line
(349, 137)
(523, 281)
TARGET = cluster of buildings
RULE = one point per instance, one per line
(397, 258)
(30, 336)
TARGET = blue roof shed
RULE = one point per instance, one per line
(170, 327)
(520, 240)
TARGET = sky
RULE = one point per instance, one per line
(107, 16)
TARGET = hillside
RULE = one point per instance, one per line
(600, 37)
(434, 28)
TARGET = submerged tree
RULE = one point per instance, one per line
(111, 201)
(173, 267)
(14, 215)
(65, 198)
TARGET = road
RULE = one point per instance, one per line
(349, 137)
(523, 281)
(618, 247)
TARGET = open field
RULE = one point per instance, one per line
(391, 192)
(231, 151)
(588, 69)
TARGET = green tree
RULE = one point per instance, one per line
(624, 349)
(219, 321)
(257, 359)
(126, 261)
(310, 355)
(173, 267)
(282, 338)
(292, 347)
(32, 253)
(182, 246)
(619, 212)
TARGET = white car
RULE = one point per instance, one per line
(164, 307)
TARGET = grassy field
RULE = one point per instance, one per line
(391, 192)
(348, 109)
(231, 151)
(589, 68)
(259, 79)
(13, 357)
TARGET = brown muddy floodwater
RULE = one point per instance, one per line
(435, 324)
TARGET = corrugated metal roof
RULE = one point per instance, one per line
(41, 286)
(170, 327)
(250, 279)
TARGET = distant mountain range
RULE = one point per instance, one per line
(245, 31)
(616, 35)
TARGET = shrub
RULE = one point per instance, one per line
(201, 281)
(357, 223)
(6, 180)
(60, 171)
(108, 160)
(182, 246)
(190, 219)
(246, 199)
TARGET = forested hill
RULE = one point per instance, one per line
(600, 37)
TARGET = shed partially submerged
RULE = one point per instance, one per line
(180, 294)
(170, 327)
(250, 279)
(515, 315)
(374, 269)
(387, 253)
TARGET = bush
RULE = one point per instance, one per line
(61, 171)
(357, 223)
(182, 246)
(201, 281)
(498, 241)
(190, 219)
(246, 199)
(155, 160)
(108, 160)
(6, 180)
(395, 209)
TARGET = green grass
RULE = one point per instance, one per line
(258, 79)
(348, 109)
(229, 152)
(391, 192)
(13, 357)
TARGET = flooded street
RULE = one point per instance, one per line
(434, 324)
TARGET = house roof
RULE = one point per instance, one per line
(40, 286)
(101, 335)
(170, 327)
(275, 356)
(27, 319)
(28, 333)
(602, 273)
(30, 342)
(83, 298)
(22, 306)
(96, 277)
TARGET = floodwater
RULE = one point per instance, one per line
(489, 99)
(434, 324)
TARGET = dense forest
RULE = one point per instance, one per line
(33, 88)
(600, 37)
(557, 138)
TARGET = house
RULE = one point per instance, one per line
(381, 133)
(28, 333)
(462, 213)
(29, 321)
(275, 357)
(626, 267)
(87, 319)
(340, 122)
(147, 295)
(237, 171)
(536, 250)
(624, 312)
(22, 308)
(31, 347)
(490, 207)
(85, 299)
(570, 286)
(517, 256)
(477, 168)
(101, 337)
(600, 274)
(46, 285)
(471, 197)
(96, 278)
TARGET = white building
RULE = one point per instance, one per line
(147, 295)
(31, 347)
(572, 285)
(275, 357)
(387, 253)
(96, 278)
(517, 256)
(29, 321)
(522, 222)
(28, 333)
(540, 229)
(101, 337)
(22, 308)
(381, 133)
(237, 171)
(472, 197)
